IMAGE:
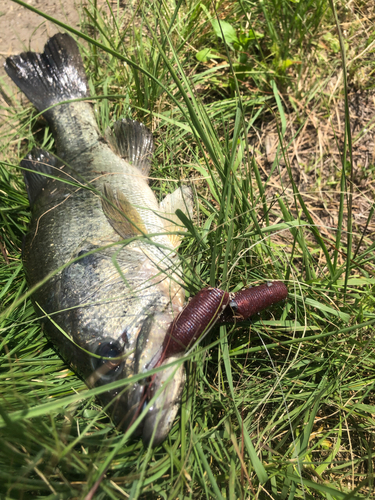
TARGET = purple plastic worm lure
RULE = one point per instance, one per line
(253, 300)
(212, 305)
(209, 307)
(201, 313)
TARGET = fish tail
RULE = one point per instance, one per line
(54, 76)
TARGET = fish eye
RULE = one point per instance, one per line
(109, 349)
(110, 362)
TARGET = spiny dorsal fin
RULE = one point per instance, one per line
(54, 76)
(132, 141)
(180, 199)
(38, 163)
(121, 214)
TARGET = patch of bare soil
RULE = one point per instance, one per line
(312, 148)
(22, 30)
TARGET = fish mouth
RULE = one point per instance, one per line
(166, 387)
(156, 397)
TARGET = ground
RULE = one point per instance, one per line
(312, 146)
(21, 29)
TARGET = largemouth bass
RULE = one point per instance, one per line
(99, 234)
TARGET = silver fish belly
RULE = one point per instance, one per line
(98, 231)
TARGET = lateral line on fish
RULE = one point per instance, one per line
(85, 184)
(53, 273)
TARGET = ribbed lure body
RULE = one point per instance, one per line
(204, 310)
(253, 300)
(197, 318)
(212, 305)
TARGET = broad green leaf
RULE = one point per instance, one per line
(225, 30)
(205, 54)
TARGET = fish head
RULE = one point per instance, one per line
(122, 330)
(162, 389)
(165, 390)
(111, 361)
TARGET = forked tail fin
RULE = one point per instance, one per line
(56, 75)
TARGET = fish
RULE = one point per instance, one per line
(101, 253)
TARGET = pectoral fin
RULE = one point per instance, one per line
(181, 199)
(121, 214)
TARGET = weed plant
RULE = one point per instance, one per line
(280, 407)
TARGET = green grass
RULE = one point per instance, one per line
(282, 407)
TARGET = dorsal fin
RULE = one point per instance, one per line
(38, 163)
(121, 214)
(180, 199)
(132, 141)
